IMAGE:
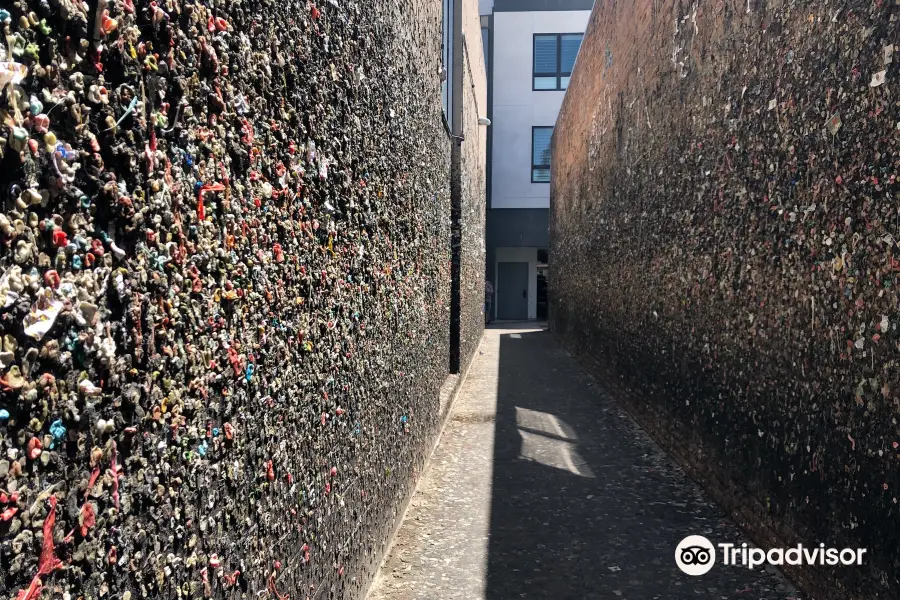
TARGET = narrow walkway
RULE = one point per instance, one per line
(541, 487)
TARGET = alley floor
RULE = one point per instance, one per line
(541, 487)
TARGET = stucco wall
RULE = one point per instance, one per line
(731, 258)
(517, 108)
(227, 290)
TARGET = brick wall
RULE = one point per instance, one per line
(227, 291)
(723, 232)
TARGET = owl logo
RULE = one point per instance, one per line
(695, 555)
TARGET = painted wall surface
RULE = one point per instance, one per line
(517, 108)
(541, 5)
(724, 233)
(225, 280)
(528, 255)
(514, 227)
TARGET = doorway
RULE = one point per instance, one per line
(512, 291)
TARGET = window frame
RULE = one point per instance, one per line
(447, 50)
(534, 166)
(559, 74)
(485, 44)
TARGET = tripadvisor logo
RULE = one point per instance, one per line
(696, 555)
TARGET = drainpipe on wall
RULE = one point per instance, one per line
(456, 129)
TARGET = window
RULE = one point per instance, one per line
(485, 38)
(540, 154)
(554, 58)
(447, 60)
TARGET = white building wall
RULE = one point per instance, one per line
(517, 108)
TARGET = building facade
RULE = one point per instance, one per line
(464, 92)
(237, 270)
(530, 47)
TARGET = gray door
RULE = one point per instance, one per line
(512, 291)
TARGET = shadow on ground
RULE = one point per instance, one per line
(584, 504)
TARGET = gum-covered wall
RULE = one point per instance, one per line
(225, 257)
(471, 174)
(724, 242)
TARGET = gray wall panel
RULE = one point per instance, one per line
(535, 5)
(518, 227)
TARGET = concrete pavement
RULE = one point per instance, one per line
(541, 487)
